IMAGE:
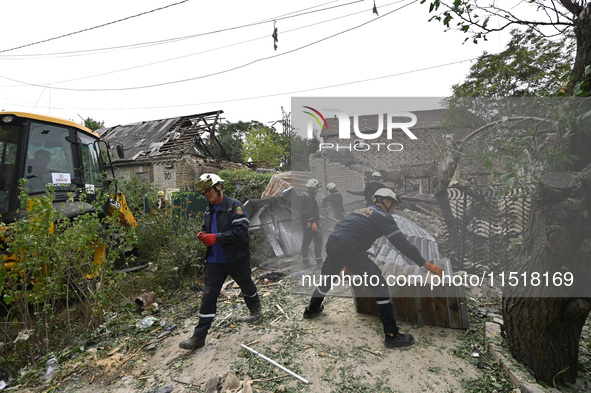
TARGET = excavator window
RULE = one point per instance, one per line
(8, 150)
(91, 163)
(49, 158)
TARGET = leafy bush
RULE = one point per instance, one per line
(244, 184)
(59, 262)
(260, 247)
(169, 241)
(135, 189)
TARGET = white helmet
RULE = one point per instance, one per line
(206, 181)
(331, 186)
(215, 179)
(385, 193)
(313, 183)
(376, 175)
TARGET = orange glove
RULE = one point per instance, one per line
(200, 235)
(209, 239)
(314, 227)
(433, 269)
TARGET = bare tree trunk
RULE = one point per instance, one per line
(544, 327)
(583, 35)
(446, 172)
(544, 333)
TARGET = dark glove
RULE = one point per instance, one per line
(209, 239)
(433, 269)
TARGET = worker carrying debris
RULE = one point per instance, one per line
(347, 248)
(225, 233)
(334, 200)
(374, 184)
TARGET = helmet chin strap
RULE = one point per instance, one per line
(390, 208)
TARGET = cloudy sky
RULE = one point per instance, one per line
(128, 61)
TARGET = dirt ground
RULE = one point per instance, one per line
(341, 350)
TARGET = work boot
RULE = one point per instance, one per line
(400, 340)
(309, 314)
(192, 343)
(254, 306)
(255, 313)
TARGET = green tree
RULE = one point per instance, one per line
(231, 137)
(93, 124)
(300, 150)
(544, 333)
(529, 65)
(263, 144)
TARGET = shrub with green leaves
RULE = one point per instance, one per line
(169, 241)
(244, 184)
(56, 271)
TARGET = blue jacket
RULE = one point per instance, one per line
(232, 223)
(309, 211)
(335, 201)
(362, 227)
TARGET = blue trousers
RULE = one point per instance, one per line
(214, 276)
(309, 236)
(342, 253)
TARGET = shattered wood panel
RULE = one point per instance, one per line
(443, 306)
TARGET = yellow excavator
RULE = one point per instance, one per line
(48, 151)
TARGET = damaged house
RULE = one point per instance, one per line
(171, 153)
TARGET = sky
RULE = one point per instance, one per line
(130, 61)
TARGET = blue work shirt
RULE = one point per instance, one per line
(217, 254)
(362, 227)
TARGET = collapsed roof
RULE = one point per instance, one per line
(166, 137)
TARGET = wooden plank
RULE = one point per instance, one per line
(443, 306)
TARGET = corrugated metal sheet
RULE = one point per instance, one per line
(275, 216)
(443, 305)
(285, 180)
(386, 254)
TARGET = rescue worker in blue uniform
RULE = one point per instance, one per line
(334, 200)
(374, 184)
(309, 218)
(347, 247)
(225, 233)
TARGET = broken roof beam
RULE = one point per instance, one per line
(211, 129)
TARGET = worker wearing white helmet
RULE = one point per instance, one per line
(309, 218)
(347, 248)
(334, 201)
(374, 184)
(225, 233)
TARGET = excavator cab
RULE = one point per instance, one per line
(57, 153)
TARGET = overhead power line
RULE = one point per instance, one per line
(283, 93)
(294, 14)
(92, 28)
(212, 49)
(222, 71)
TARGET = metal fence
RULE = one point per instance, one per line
(182, 206)
(490, 219)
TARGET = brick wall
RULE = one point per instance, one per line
(334, 172)
(173, 174)
(397, 158)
